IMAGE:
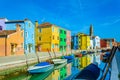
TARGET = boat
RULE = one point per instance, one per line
(91, 72)
(59, 61)
(59, 66)
(69, 58)
(78, 55)
(40, 68)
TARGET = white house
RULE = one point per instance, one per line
(96, 42)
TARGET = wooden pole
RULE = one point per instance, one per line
(49, 53)
(26, 60)
(37, 57)
(54, 53)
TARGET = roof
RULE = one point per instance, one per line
(6, 32)
(46, 24)
(15, 21)
(109, 39)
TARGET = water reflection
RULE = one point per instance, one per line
(65, 71)
(41, 76)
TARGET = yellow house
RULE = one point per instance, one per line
(79, 40)
(85, 42)
(47, 37)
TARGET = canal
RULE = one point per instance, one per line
(65, 72)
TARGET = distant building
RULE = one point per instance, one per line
(11, 42)
(91, 44)
(29, 33)
(85, 42)
(103, 43)
(96, 42)
(81, 41)
(107, 43)
(68, 40)
(74, 42)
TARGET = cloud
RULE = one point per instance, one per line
(111, 23)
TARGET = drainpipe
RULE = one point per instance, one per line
(5, 45)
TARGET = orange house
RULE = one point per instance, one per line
(11, 42)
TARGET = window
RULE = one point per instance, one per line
(39, 38)
(64, 32)
(33, 36)
(60, 39)
(60, 31)
(22, 35)
(22, 46)
(40, 30)
(52, 29)
(64, 40)
(53, 37)
(52, 45)
(26, 47)
(26, 34)
(29, 25)
(57, 38)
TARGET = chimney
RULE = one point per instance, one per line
(36, 24)
(18, 27)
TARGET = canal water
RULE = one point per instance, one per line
(66, 72)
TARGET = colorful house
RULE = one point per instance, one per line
(74, 42)
(47, 37)
(29, 32)
(85, 42)
(107, 43)
(103, 43)
(63, 37)
(11, 42)
(96, 42)
(68, 40)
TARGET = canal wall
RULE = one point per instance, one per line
(14, 65)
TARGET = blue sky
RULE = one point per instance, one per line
(75, 15)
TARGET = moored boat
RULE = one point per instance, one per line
(40, 67)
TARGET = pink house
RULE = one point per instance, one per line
(68, 40)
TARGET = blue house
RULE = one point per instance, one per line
(75, 42)
(29, 32)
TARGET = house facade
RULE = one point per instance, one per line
(62, 36)
(68, 40)
(85, 42)
(29, 32)
(48, 37)
(96, 42)
(74, 42)
(11, 42)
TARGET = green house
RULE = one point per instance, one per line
(62, 44)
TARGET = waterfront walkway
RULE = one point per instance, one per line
(12, 61)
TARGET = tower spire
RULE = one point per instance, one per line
(91, 30)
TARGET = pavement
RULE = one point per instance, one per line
(17, 60)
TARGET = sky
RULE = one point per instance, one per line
(74, 15)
